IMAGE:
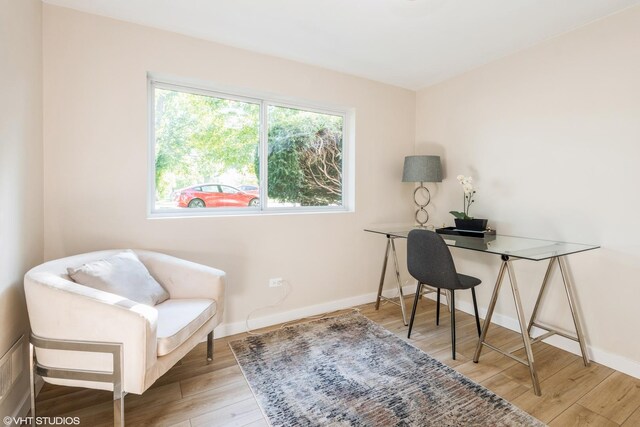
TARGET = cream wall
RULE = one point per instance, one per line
(552, 137)
(21, 225)
(550, 134)
(96, 143)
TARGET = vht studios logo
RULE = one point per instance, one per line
(41, 421)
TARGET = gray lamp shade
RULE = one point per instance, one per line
(422, 169)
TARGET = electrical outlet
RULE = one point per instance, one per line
(276, 282)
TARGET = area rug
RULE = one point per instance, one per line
(348, 371)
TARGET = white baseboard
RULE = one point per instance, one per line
(614, 361)
(226, 329)
(24, 404)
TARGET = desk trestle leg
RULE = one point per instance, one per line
(400, 293)
(492, 306)
(523, 329)
(568, 287)
(384, 271)
(506, 265)
(391, 248)
(526, 332)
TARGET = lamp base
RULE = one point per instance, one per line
(422, 216)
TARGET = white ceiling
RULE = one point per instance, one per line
(407, 43)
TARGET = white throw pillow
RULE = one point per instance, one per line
(122, 274)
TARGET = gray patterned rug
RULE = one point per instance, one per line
(348, 371)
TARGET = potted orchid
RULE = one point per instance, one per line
(462, 219)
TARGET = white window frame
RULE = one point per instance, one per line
(265, 101)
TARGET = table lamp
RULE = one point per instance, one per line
(422, 169)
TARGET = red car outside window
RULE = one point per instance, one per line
(215, 196)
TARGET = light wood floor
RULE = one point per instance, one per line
(194, 393)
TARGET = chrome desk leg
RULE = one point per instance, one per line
(391, 248)
(506, 265)
(384, 271)
(569, 289)
(397, 266)
(542, 289)
(568, 286)
(523, 328)
(492, 306)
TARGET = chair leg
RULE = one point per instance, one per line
(210, 346)
(438, 308)
(453, 325)
(415, 305)
(475, 309)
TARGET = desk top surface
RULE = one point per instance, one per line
(512, 246)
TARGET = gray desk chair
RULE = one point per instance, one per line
(430, 263)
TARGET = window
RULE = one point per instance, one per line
(228, 190)
(215, 152)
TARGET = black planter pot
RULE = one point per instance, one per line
(475, 224)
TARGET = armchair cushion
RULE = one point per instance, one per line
(178, 319)
(121, 274)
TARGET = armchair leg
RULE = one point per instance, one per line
(32, 380)
(118, 385)
(210, 346)
(118, 411)
(116, 377)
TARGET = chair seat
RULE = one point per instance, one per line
(178, 319)
(468, 281)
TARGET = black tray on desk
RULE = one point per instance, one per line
(453, 231)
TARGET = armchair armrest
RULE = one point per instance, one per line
(185, 279)
(61, 309)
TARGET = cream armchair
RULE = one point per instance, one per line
(85, 337)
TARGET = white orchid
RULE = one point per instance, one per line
(469, 192)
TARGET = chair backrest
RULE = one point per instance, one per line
(429, 260)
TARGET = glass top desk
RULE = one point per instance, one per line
(510, 248)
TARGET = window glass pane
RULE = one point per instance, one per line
(202, 141)
(305, 158)
(228, 190)
(210, 188)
